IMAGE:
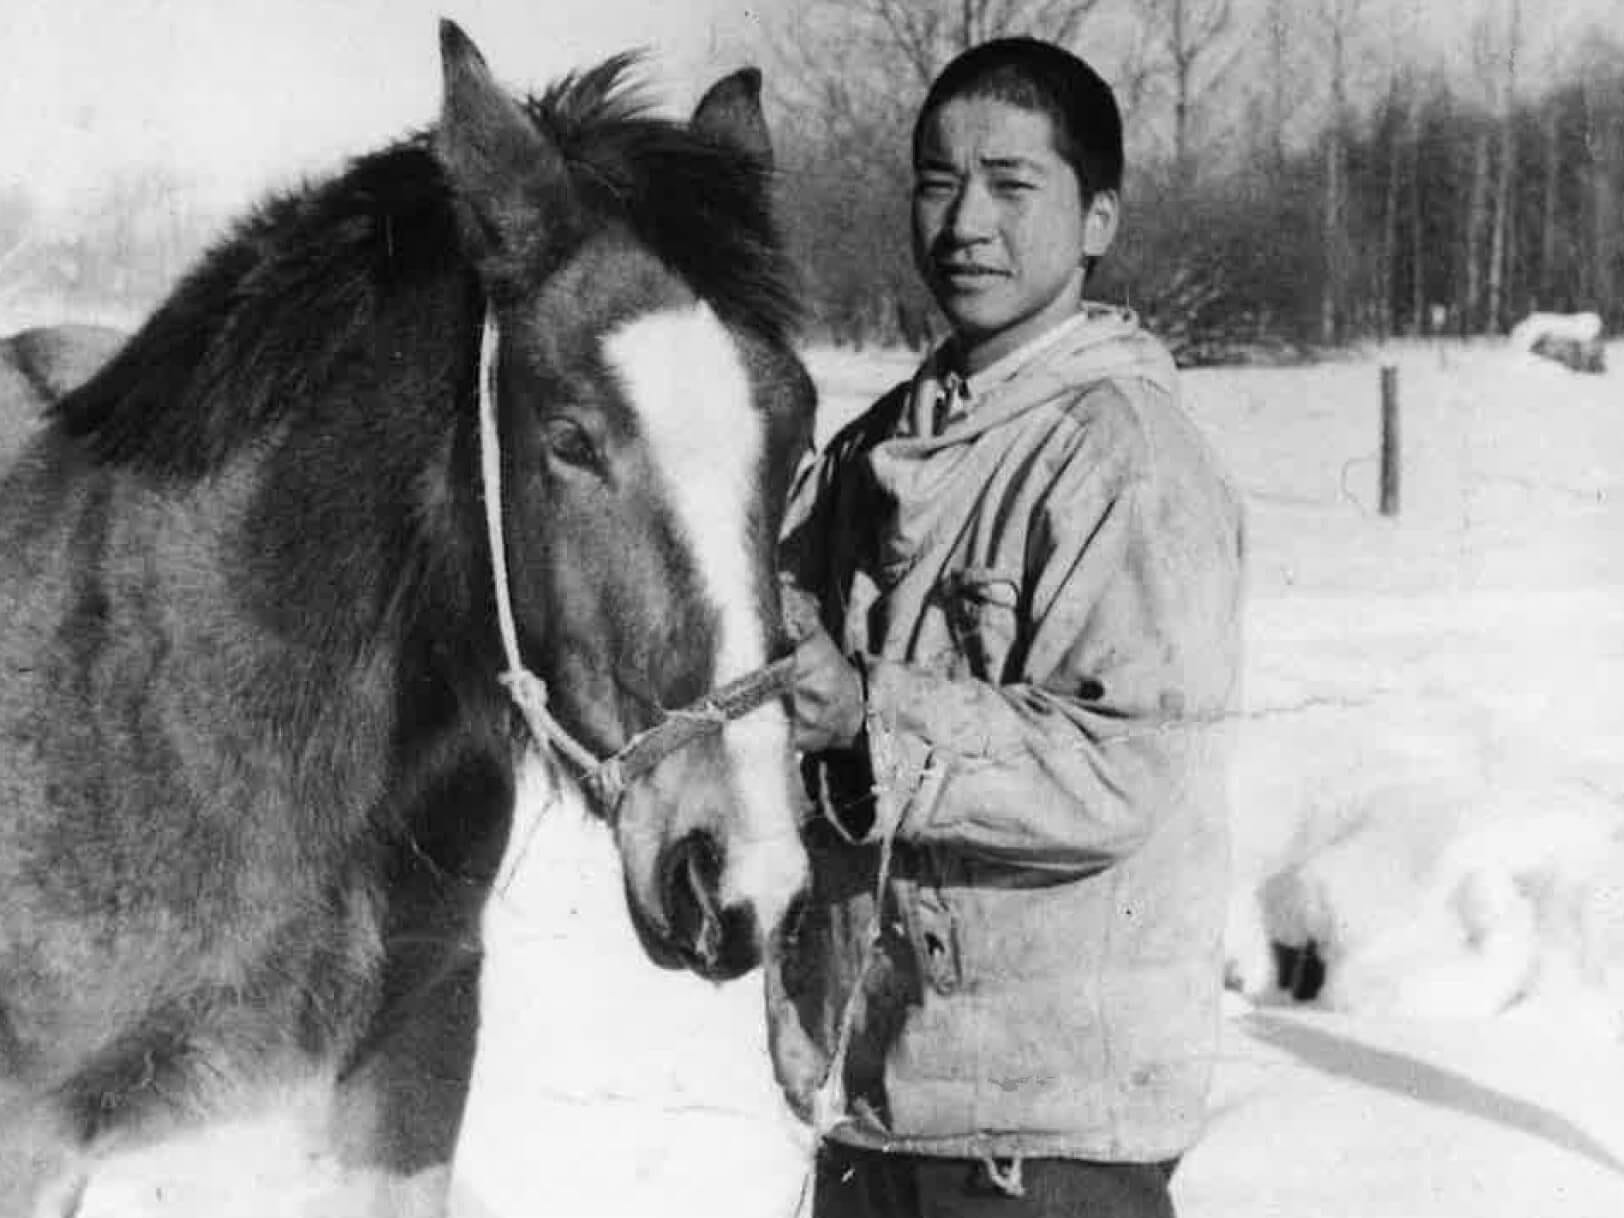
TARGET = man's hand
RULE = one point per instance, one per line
(827, 703)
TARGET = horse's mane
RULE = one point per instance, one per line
(292, 291)
(700, 205)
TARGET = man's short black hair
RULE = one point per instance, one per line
(1046, 78)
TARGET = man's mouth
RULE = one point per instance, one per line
(967, 273)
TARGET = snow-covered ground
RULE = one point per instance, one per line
(1430, 784)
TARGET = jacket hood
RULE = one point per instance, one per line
(1102, 342)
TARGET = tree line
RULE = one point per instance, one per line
(1301, 173)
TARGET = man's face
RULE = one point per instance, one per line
(998, 224)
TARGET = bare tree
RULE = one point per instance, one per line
(1477, 211)
(1604, 179)
(1194, 36)
(1547, 48)
(1551, 141)
(1339, 20)
(1277, 30)
(1418, 283)
(864, 43)
(1503, 202)
(1479, 196)
(1401, 109)
(1397, 102)
(934, 32)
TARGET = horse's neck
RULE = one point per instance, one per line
(319, 634)
(186, 763)
(153, 695)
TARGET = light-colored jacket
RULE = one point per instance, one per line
(1046, 600)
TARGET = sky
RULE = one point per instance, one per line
(240, 95)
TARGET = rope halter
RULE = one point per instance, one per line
(603, 779)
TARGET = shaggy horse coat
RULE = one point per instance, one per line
(256, 770)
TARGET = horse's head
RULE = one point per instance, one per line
(651, 411)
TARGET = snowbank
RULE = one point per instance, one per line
(1571, 327)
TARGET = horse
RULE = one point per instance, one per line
(510, 405)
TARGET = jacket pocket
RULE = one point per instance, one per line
(983, 613)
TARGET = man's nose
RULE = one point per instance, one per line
(971, 218)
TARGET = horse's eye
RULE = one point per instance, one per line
(572, 444)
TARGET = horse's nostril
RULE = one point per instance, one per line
(717, 942)
(690, 890)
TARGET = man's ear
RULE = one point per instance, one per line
(1100, 222)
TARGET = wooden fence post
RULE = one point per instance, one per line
(1390, 441)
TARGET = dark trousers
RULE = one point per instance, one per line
(853, 1183)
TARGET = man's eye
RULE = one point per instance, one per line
(568, 441)
(932, 188)
(1013, 186)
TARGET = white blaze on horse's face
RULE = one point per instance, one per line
(684, 376)
(709, 484)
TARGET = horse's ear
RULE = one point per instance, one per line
(509, 178)
(730, 113)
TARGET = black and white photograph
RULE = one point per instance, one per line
(812, 609)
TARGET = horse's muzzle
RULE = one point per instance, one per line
(719, 942)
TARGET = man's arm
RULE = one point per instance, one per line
(1132, 660)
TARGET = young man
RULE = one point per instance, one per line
(1016, 586)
